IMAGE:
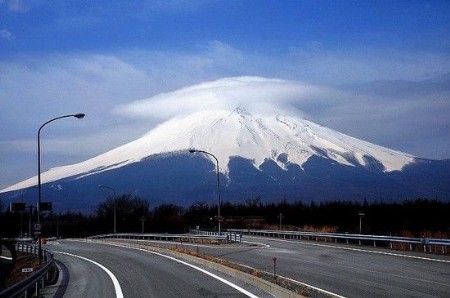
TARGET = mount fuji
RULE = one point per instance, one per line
(271, 157)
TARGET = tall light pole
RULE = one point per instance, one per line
(78, 116)
(115, 205)
(219, 218)
(21, 217)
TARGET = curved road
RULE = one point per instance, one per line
(351, 271)
(138, 274)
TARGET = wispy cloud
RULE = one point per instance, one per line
(6, 35)
(35, 89)
(15, 5)
(405, 115)
(363, 65)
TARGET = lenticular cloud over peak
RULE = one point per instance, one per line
(256, 94)
(260, 144)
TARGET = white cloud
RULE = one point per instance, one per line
(403, 115)
(217, 49)
(35, 89)
(251, 93)
(69, 82)
(15, 5)
(5, 34)
(366, 65)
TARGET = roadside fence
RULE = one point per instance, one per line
(31, 285)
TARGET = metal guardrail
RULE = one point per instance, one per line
(195, 236)
(36, 280)
(207, 238)
(230, 235)
(361, 239)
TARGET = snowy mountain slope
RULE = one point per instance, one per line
(283, 139)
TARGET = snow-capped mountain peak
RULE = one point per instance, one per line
(224, 133)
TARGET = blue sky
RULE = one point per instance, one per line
(383, 67)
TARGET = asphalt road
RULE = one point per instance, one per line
(350, 271)
(138, 274)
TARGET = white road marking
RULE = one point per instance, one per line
(360, 250)
(257, 243)
(6, 258)
(243, 291)
(117, 287)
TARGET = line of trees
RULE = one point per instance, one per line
(134, 215)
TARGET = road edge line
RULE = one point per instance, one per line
(115, 281)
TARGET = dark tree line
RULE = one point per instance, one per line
(134, 215)
(415, 216)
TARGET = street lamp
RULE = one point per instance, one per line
(219, 219)
(79, 116)
(115, 205)
(21, 217)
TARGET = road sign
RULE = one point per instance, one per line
(17, 207)
(37, 227)
(27, 270)
(46, 206)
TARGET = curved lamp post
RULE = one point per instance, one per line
(219, 219)
(115, 205)
(79, 116)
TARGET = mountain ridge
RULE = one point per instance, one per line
(283, 139)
